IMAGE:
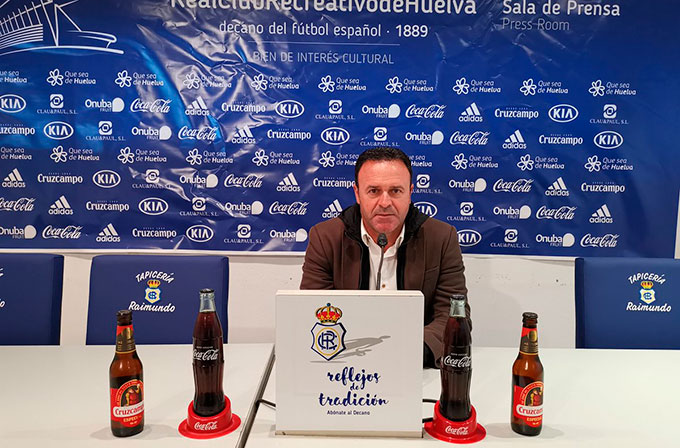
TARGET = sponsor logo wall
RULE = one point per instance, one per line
(251, 138)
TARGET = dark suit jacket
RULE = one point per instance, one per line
(429, 260)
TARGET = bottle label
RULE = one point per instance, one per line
(125, 341)
(528, 344)
(127, 403)
(206, 354)
(458, 361)
(527, 404)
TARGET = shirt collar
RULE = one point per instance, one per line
(366, 238)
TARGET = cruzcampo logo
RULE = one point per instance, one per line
(328, 334)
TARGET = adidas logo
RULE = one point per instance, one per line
(515, 141)
(471, 115)
(14, 180)
(558, 188)
(60, 207)
(333, 210)
(243, 136)
(198, 107)
(602, 216)
(289, 183)
(108, 235)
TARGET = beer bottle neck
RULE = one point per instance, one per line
(457, 308)
(125, 340)
(207, 303)
(528, 344)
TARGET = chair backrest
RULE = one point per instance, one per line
(631, 303)
(30, 298)
(161, 291)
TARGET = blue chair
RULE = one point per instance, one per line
(161, 291)
(30, 298)
(631, 303)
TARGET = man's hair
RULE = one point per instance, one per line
(381, 153)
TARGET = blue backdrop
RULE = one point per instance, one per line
(541, 127)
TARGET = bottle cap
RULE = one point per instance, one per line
(207, 291)
(124, 317)
(529, 315)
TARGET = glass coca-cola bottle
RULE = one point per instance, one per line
(208, 358)
(456, 366)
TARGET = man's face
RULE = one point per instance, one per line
(383, 194)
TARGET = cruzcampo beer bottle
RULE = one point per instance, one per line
(456, 368)
(527, 382)
(126, 381)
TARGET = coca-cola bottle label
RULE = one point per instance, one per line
(458, 361)
(209, 353)
(127, 403)
(527, 403)
(528, 344)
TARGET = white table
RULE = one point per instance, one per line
(593, 398)
(59, 396)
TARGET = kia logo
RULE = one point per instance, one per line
(335, 136)
(200, 233)
(608, 140)
(58, 130)
(106, 178)
(11, 103)
(153, 206)
(468, 238)
(426, 207)
(289, 108)
(563, 113)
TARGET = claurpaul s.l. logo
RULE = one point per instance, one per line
(328, 334)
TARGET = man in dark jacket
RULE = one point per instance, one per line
(420, 253)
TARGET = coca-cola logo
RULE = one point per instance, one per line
(206, 355)
(478, 138)
(518, 186)
(64, 233)
(161, 106)
(607, 240)
(564, 212)
(457, 361)
(249, 181)
(205, 133)
(19, 205)
(431, 111)
(462, 431)
(210, 426)
(296, 208)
